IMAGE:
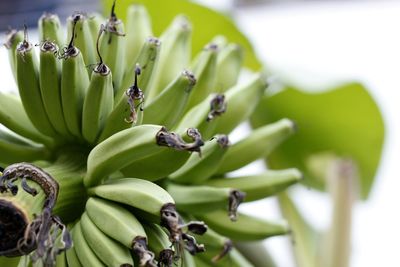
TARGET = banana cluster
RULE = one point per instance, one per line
(134, 130)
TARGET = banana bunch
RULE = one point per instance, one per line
(124, 148)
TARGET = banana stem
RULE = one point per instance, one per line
(28, 211)
(342, 176)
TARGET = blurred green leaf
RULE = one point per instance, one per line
(206, 23)
(344, 121)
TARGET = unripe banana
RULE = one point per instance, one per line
(218, 246)
(16, 149)
(13, 117)
(232, 259)
(61, 260)
(167, 160)
(261, 185)
(204, 116)
(50, 86)
(10, 262)
(157, 238)
(109, 251)
(50, 29)
(197, 169)
(229, 65)
(138, 193)
(174, 55)
(99, 100)
(241, 102)
(120, 224)
(138, 29)
(258, 144)
(246, 228)
(74, 84)
(29, 88)
(14, 37)
(125, 113)
(72, 258)
(112, 48)
(83, 251)
(204, 69)
(145, 61)
(120, 150)
(79, 30)
(169, 105)
(202, 199)
(95, 20)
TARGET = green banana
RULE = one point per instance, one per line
(95, 20)
(17, 149)
(138, 29)
(79, 30)
(204, 69)
(125, 113)
(61, 260)
(14, 37)
(241, 102)
(246, 228)
(99, 100)
(74, 84)
(120, 224)
(138, 193)
(120, 150)
(259, 186)
(260, 143)
(9, 262)
(204, 116)
(71, 256)
(157, 238)
(220, 245)
(174, 55)
(229, 65)
(167, 160)
(145, 61)
(50, 86)
(49, 28)
(13, 117)
(83, 251)
(25, 261)
(202, 199)
(256, 253)
(112, 47)
(109, 251)
(197, 169)
(169, 105)
(29, 89)
(153, 204)
(305, 238)
(232, 259)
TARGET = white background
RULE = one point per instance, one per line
(319, 44)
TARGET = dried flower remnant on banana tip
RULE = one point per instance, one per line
(217, 107)
(171, 220)
(171, 139)
(39, 234)
(112, 22)
(135, 97)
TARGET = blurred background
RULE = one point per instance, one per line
(314, 44)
